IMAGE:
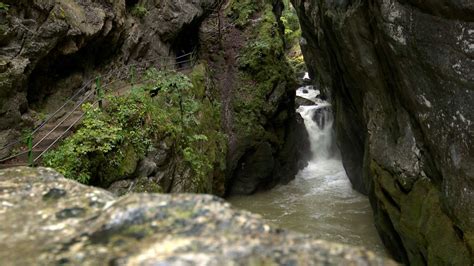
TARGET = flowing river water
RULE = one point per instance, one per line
(320, 201)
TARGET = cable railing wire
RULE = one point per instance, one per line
(44, 122)
(62, 120)
(59, 138)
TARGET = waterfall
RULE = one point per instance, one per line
(320, 201)
(318, 121)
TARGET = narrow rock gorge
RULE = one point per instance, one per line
(401, 80)
(138, 99)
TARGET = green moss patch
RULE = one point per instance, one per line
(263, 70)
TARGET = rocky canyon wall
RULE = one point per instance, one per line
(257, 84)
(400, 75)
(49, 49)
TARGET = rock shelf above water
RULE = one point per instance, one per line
(47, 219)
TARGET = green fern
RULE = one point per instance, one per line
(4, 7)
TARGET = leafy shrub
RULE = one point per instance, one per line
(139, 11)
(95, 137)
(4, 7)
(240, 11)
(110, 142)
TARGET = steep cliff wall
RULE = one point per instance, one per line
(45, 42)
(400, 76)
(245, 46)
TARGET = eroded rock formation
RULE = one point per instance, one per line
(401, 77)
(58, 221)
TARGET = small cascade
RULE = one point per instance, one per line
(318, 121)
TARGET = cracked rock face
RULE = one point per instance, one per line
(401, 78)
(47, 219)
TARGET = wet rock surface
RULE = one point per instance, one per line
(400, 77)
(47, 219)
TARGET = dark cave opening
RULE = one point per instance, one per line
(131, 3)
(186, 45)
(58, 75)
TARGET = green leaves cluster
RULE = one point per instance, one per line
(4, 7)
(102, 146)
(139, 11)
(241, 11)
(292, 25)
(110, 142)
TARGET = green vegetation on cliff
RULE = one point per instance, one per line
(242, 11)
(169, 107)
(4, 7)
(264, 72)
(292, 25)
(292, 38)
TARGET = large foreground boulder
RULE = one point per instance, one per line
(47, 219)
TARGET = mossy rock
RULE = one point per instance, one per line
(146, 185)
(428, 234)
(198, 79)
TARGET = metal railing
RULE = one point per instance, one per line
(100, 90)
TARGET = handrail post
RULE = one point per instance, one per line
(30, 149)
(99, 91)
(132, 75)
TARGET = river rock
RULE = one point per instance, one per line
(400, 77)
(47, 219)
(303, 101)
(253, 171)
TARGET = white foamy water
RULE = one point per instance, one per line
(309, 93)
(320, 201)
